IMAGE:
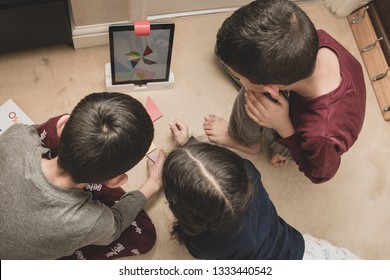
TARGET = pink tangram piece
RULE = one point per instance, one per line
(153, 156)
(152, 109)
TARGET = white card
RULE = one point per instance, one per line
(10, 113)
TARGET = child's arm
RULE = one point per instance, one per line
(131, 203)
(154, 181)
(318, 158)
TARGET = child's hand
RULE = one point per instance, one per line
(180, 132)
(154, 181)
(268, 113)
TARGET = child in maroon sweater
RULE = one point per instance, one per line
(314, 108)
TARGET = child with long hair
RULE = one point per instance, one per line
(223, 211)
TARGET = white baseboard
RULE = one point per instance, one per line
(97, 35)
(90, 36)
(92, 40)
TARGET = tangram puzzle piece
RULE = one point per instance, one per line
(152, 109)
(153, 156)
(154, 114)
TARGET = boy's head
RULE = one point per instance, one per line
(105, 136)
(207, 188)
(269, 42)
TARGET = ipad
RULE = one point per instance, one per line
(140, 59)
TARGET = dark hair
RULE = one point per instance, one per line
(207, 188)
(105, 136)
(269, 42)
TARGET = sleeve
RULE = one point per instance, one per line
(318, 158)
(126, 210)
(113, 221)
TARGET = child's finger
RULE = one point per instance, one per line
(251, 114)
(283, 100)
(174, 128)
(161, 154)
(180, 125)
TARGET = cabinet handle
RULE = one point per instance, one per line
(358, 18)
(380, 76)
(387, 108)
(369, 47)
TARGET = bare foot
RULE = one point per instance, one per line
(277, 160)
(216, 130)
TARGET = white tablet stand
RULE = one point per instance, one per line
(132, 87)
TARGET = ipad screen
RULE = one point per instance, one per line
(140, 59)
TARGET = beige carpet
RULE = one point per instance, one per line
(352, 210)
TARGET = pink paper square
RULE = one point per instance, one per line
(152, 109)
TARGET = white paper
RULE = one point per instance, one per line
(11, 113)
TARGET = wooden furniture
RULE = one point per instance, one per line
(26, 24)
(370, 26)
